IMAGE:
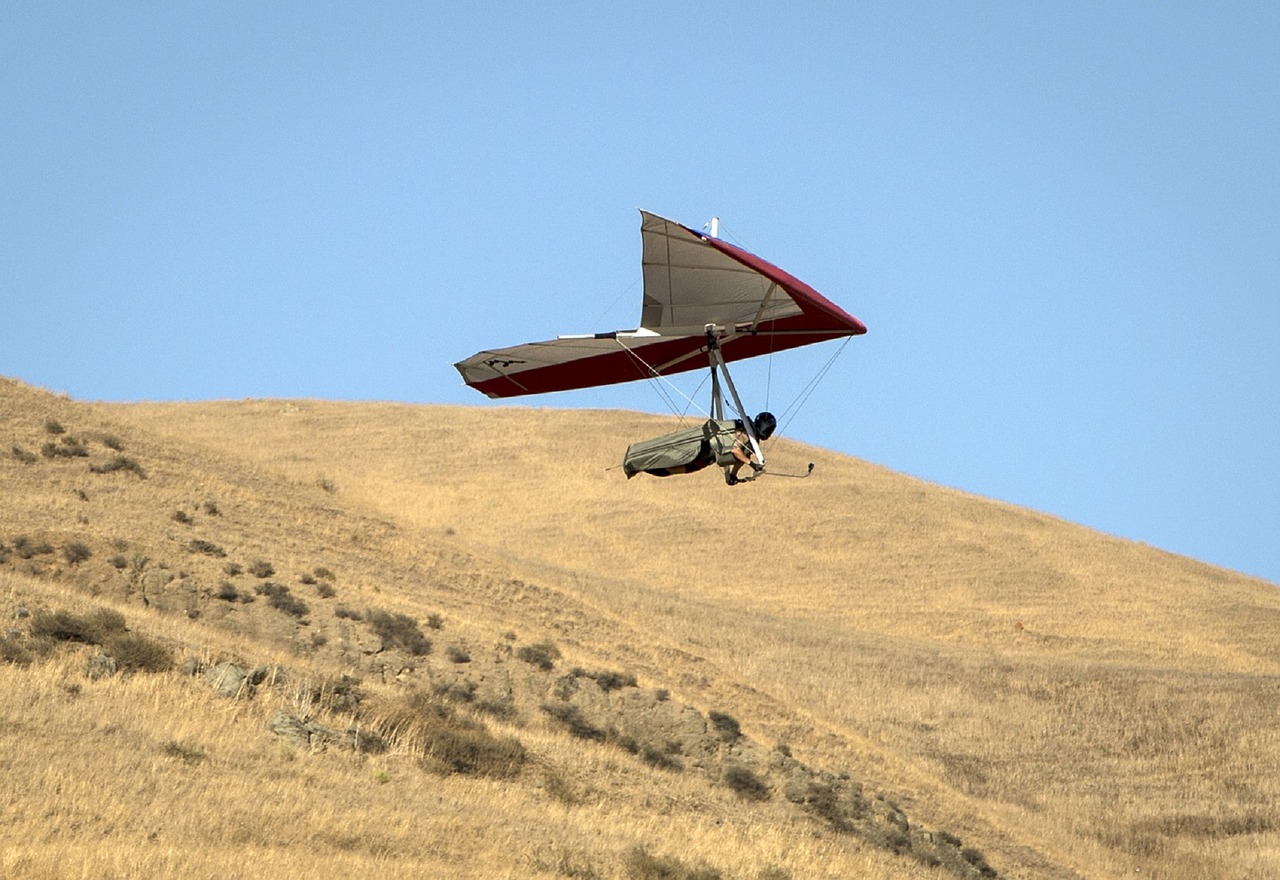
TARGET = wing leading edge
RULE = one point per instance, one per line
(690, 281)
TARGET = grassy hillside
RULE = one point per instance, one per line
(768, 680)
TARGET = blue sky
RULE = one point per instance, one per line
(1061, 222)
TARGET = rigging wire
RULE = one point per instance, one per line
(793, 409)
(657, 381)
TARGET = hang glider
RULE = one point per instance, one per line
(705, 302)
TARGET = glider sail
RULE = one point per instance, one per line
(694, 284)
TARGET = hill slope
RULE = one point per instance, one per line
(1071, 704)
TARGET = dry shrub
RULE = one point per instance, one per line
(398, 631)
(447, 741)
(137, 652)
(119, 463)
(279, 598)
(76, 552)
(745, 784)
(104, 627)
(540, 654)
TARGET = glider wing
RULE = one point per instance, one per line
(691, 281)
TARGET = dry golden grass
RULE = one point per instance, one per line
(1072, 704)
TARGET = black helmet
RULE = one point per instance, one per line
(765, 424)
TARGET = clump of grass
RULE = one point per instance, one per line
(211, 508)
(53, 426)
(449, 742)
(279, 598)
(233, 569)
(306, 578)
(69, 447)
(398, 631)
(26, 548)
(323, 573)
(325, 591)
(119, 463)
(540, 654)
(23, 456)
(608, 681)
(208, 548)
(260, 568)
(182, 752)
(435, 621)
(745, 783)
(181, 516)
(111, 441)
(76, 552)
(345, 613)
(640, 864)
(90, 629)
(105, 628)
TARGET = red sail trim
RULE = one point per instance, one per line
(688, 353)
(813, 303)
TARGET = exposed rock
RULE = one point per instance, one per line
(229, 680)
(304, 733)
(101, 666)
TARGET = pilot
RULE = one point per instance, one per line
(764, 425)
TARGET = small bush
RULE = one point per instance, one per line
(541, 654)
(232, 569)
(306, 579)
(75, 553)
(323, 573)
(435, 621)
(53, 426)
(571, 717)
(208, 548)
(181, 516)
(608, 681)
(211, 508)
(119, 463)
(279, 598)
(13, 651)
(457, 655)
(660, 759)
(399, 631)
(136, 652)
(23, 456)
(260, 568)
(725, 726)
(111, 441)
(90, 629)
(346, 613)
(745, 784)
(227, 592)
(325, 591)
